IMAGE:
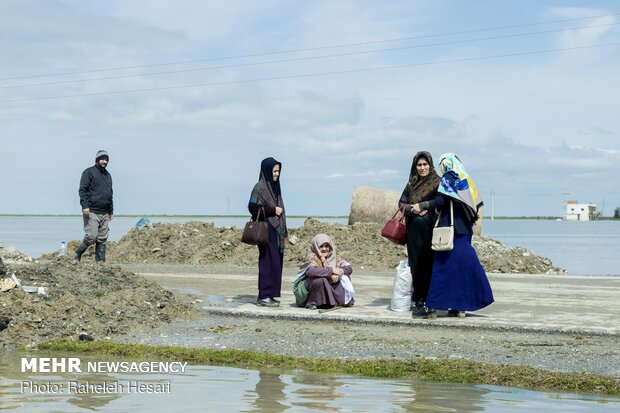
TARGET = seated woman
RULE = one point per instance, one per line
(327, 276)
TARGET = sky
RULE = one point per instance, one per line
(189, 96)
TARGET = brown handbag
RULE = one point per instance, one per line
(256, 232)
(395, 229)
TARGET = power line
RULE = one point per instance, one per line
(306, 75)
(312, 48)
(298, 59)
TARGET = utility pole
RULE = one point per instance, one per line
(564, 194)
(492, 204)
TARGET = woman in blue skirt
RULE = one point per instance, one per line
(458, 281)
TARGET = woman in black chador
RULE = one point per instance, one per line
(421, 186)
(267, 196)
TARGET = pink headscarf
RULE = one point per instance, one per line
(314, 253)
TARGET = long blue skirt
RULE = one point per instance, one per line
(459, 281)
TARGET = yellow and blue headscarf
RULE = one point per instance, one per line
(456, 183)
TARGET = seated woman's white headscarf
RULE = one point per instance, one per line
(314, 253)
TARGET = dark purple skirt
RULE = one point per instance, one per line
(270, 261)
(323, 293)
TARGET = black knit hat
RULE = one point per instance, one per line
(101, 154)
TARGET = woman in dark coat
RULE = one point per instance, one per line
(459, 282)
(327, 276)
(266, 199)
(422, 186)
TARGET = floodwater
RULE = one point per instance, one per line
(582, 248)
(225, 389)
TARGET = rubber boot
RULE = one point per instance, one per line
(100, 252)
(79, 251)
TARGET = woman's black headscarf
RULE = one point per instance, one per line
(267, 193)
(419, 186)
(266, 173)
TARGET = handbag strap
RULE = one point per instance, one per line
(451, 216)
(402, 212)
(258, 214)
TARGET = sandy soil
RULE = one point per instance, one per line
(97, 300)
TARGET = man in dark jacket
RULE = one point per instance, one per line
(97, 206)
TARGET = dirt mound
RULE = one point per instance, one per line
(11, 256)
(360, 243)
(98, 300)
(496, 257)
(203, 243)
(187, 243)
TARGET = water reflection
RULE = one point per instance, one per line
(422, 397)
(43, 390)
(92, 401)
(213, 388)
(319, 392)
(269, 394)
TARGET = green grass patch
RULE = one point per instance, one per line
(446, 371)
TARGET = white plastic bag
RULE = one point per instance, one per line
(401, 289)
(349, 292)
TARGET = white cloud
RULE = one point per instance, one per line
(373, 175)
(335, 176)
(63, 115)
(599, 28)
(600, 151)
(198, 21)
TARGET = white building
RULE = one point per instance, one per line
(580, 212)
